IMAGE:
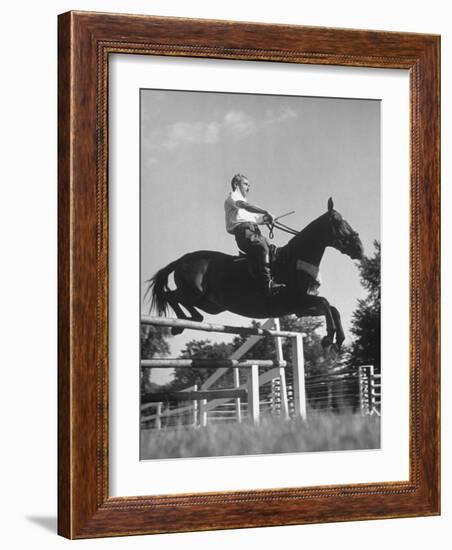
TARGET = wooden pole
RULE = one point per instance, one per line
(211, 327)
(253, 394)
(192, 395)
(203, 412)
(209, 363)
(361, 391)
(298, 377)
(158, 416)
(274, 397)
(237, 354)
(238, 401)
(282, 375)
(195, 408)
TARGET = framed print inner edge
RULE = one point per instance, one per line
(294, 86)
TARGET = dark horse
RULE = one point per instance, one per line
(215, 282)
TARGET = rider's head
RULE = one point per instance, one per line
(240, 181)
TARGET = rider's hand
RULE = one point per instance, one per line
(268, 218)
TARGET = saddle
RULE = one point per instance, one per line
(273, 253)
(252, 267)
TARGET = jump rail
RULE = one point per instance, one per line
(209, 363)
(252, 365)
(211, 327)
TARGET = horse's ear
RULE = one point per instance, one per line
(330, 204)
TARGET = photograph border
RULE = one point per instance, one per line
(85, 41)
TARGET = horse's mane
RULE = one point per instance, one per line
(305, 235)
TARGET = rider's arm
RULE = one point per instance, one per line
(268, 218)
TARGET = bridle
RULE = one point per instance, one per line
(281, 227)
(340, 241)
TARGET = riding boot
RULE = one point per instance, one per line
(270, 287)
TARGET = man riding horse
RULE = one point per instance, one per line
(242, 221)
(214, 282)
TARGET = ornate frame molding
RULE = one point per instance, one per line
(85, 42)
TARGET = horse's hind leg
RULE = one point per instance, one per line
(195, 315)
(175, 302)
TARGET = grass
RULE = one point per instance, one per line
(323, 432)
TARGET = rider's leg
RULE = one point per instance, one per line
(251, 241)
(259, 250)
(264, 265)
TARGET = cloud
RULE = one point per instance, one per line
(190, 132)
(234, 124)
(239, 124)
(274, 117)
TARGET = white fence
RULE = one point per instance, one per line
(263, 392)
(204, 399)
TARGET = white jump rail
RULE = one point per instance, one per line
(252, 365)
(212, 327)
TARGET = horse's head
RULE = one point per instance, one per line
(342, 236)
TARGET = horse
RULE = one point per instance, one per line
(215, 282)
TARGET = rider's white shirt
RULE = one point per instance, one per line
(235, 215)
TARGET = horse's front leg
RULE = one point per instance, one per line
(318, 305)
(340, 336)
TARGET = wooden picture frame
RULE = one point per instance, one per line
(85, 508)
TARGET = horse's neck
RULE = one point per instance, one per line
(309, 245)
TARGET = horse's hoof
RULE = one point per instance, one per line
(327, 342)
(335, 349)
(176, 330)
(339, 342)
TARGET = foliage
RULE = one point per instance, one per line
(201, 349)
(153, 340)
(365, 349)
(153, 343)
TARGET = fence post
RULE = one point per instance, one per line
(238, 402)
(203, 412)
(253, 394)
(298, 377)
(364, 390)
(373, 392)
(275, 399)
(282, 375)
(158, 417)
(195, 408)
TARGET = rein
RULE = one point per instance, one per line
(281, 227)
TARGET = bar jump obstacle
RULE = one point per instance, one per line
(250, 390)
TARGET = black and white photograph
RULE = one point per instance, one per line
(260, 274)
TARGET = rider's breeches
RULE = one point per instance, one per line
(251, 241)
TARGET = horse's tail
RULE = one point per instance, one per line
(158, 287)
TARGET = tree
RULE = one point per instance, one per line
(153, 342)
(365, 349)
(201, 349)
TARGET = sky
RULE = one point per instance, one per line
(296, 153)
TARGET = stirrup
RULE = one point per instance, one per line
(273, 288)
